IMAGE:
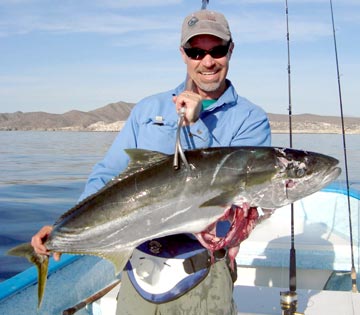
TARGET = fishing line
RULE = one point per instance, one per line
(353, 271)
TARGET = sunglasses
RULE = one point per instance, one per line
(215, 52)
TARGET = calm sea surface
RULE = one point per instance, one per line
(42, 174)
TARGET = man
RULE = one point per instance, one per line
(214, 115)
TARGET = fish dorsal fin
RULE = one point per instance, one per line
(141, 159)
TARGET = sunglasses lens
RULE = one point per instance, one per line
(216, 52)
(195, 53)
(219, 51)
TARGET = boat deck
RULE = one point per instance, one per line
(259, 300)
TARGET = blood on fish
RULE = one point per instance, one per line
(290, 183)
(243, 220)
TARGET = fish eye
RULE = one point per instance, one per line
(296, 172)
(300, 172)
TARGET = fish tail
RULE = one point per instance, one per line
(40, 261)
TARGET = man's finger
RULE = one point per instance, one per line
(57, 256)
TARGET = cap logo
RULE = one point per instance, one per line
(193, 21)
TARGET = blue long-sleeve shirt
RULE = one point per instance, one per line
(231, 121)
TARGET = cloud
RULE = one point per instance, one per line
(113, 47)
(136, 3)
(251, 21)
(79, 23)
(249, 26)
(56, 17)
(263, 26)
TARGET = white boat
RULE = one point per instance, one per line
(324, 261)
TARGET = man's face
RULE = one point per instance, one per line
(208, 73)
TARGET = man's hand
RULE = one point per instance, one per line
(39, 239)
(190, 102)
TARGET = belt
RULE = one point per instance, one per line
(202, 260)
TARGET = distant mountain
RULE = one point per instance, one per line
(72, 120)
(112, 117)
(308, 123)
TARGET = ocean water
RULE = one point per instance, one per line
(42, 174)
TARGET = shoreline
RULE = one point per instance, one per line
(112, 117)
(306, 126)
(308, 131)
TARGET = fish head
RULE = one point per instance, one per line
(266, 177)
(272, 177)
(300, 174)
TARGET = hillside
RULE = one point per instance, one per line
(72, 120)
(307, 123)
(112, 117)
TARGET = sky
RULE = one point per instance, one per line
(56, 56)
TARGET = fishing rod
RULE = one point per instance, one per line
(353, 270)
(289, 299)
(204, 4)
(292, 276)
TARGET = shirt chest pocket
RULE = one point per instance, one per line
(157, 134)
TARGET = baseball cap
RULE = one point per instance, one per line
(205, 22)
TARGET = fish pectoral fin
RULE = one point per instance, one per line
(40, 261)
(118, 259)
(226, 198)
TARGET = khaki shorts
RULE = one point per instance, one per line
(214, 295)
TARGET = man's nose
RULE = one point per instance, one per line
(208, 61)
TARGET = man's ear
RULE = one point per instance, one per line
(231, 48)
(183, 54)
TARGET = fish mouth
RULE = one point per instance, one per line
(332, 173)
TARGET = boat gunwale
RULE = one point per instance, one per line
(29, 276)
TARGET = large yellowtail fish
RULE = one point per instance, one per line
(151, 199)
